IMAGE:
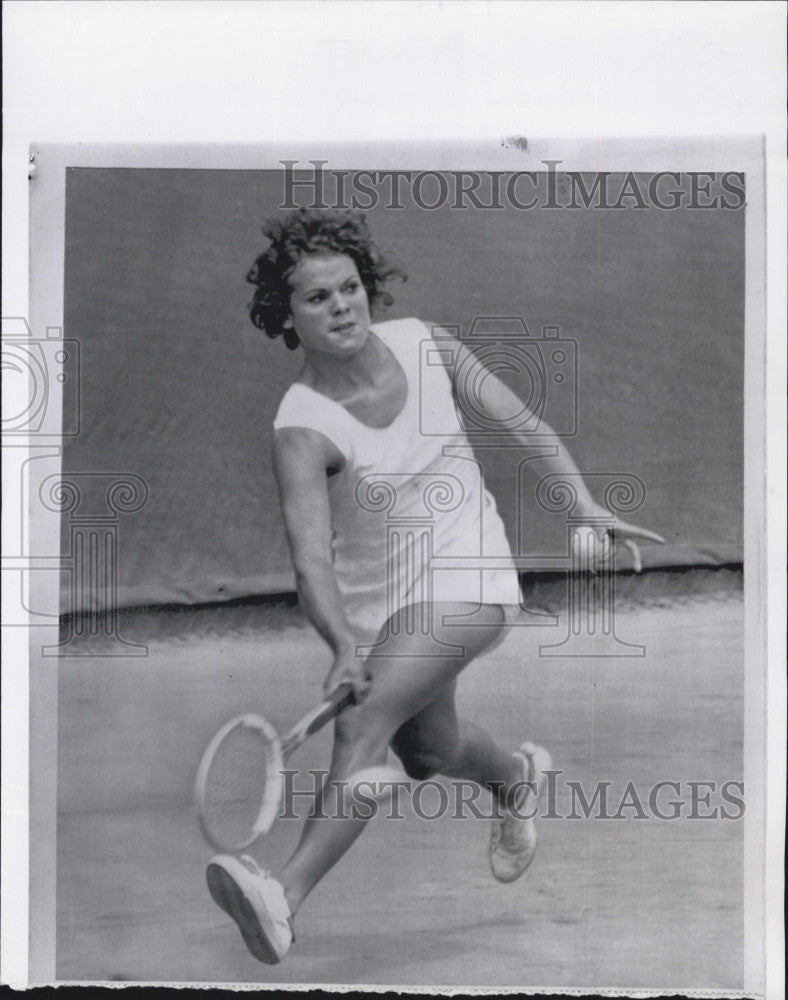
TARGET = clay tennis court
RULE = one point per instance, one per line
(624, 903)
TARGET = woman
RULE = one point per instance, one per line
(348, 454)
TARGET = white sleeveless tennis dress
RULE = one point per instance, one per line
(410, 512)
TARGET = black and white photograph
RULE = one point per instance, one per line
(387, 549)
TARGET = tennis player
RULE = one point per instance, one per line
(347, 449)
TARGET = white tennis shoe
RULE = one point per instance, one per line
(256, 902)
(513, 839)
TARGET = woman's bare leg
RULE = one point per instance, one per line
(435, 741)
(403, 683)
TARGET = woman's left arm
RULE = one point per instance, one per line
(500, 402)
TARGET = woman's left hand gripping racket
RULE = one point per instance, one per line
(239, 782)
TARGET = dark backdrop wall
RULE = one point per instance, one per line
(178, 387)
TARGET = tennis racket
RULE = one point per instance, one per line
(240, 782)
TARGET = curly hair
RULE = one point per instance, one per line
(307, 231)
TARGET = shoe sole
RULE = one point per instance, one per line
(229, 895)
(538, 760)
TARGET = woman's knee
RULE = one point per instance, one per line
(421, 765)
(422, 761)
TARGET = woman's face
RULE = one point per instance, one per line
(329, 308)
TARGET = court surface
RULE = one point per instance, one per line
(628, 903)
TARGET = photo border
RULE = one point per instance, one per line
(47, 227)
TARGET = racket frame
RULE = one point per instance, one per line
(273, 785)
(277, 753)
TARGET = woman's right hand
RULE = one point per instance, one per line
(348, 668)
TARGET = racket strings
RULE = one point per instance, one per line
(236, 785)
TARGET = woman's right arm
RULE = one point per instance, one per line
(301, 460)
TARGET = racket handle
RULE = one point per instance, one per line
(338, 700)
(341, 697)
(318, 717)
